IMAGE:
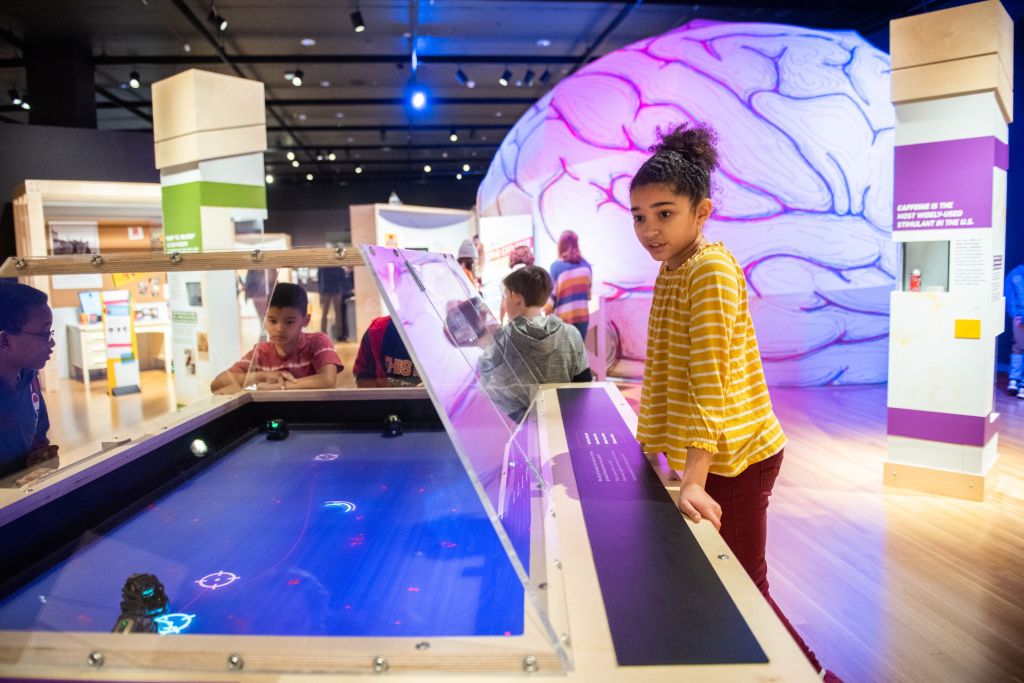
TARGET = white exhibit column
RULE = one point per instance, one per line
(952, 72)
(210, 134)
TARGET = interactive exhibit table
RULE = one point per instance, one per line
(398, 531)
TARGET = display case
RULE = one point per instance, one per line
(482, 526)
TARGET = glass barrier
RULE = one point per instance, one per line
(104, 359)
(481, 386)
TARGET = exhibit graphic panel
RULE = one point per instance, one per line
(408, 227)
(119, 337)
(803, 196)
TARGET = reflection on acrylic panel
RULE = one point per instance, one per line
(449, 331)
(803, 195)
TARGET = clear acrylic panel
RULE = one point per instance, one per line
(288, 353)
(482, 389)
(130, 351)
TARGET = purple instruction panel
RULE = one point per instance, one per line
(946, 185)
(664, 601)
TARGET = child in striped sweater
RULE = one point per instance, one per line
(704, 403)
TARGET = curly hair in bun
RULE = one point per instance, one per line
(684, 159)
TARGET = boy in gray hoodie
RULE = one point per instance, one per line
(533, 348)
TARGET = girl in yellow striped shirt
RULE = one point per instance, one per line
(705, 404)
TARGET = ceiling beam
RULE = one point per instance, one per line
(185, 60)
(350, 102)
(115, 101)
(619, 18)
(820, 5)
(313, 165)
(415, 128)
(399, 128)
(396, 147)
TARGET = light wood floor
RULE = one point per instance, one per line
(885, 585)
(890, 585)
(77, 419)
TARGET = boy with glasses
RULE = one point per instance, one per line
(26, 343)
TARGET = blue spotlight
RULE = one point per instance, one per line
(418, 99)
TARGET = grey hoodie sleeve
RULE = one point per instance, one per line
(580, 361)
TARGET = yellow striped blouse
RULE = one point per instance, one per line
(703, 382)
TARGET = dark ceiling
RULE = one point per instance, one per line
(353, 100)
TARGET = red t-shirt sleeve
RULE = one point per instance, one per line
(323, 353)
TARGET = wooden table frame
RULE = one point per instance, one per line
(563, 562)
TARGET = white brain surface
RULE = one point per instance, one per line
(803, 196)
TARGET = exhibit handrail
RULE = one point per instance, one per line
(147, 262)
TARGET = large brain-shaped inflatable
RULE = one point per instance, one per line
(804, 192)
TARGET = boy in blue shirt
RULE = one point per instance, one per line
(26, 343)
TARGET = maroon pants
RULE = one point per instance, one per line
(744, 501)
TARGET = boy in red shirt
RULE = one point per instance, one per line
(292, 359)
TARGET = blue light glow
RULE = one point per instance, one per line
(418, 99)
(173, 623)
(340, 505)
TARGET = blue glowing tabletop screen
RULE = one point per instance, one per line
(328, 532)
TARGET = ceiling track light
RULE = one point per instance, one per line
(133, 79)
(217, 20)
(453, 136)
(545, 77)
(528, 78)
(506, 76)
(465, 80)
(358, 25)
(16, 98)
(297, 78)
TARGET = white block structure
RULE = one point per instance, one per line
(952, 72)
(209, 132)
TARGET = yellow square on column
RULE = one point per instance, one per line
(967, 329)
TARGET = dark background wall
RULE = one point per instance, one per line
(52, 153)
(311, 214)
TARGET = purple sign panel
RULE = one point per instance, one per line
(946, 185)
